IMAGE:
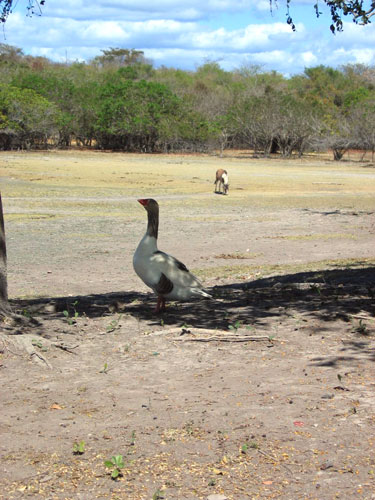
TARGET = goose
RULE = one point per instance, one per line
(166, 276)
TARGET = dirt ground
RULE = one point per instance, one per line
(266, 392)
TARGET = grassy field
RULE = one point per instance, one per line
(67, 180)
(71, 203)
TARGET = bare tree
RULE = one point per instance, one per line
(337, 135)
(4, 304)
(362, 124)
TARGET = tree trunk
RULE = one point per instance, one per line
(338, 153)
(4, 304)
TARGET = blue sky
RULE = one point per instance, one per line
(186, 34)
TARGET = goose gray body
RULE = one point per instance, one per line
(166, 276)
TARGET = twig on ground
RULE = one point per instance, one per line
(275, 460)
(198, 335)
(362, 316)
(66, 348)
(227, 338)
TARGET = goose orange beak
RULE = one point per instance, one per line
(143, 202)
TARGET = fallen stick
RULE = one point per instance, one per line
(227, 338)
(275, 460)
(215, 335)
(360, 316)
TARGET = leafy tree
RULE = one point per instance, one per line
(26, 119)
(117, 58)
(130, 113)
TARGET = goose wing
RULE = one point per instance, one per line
(173, 271)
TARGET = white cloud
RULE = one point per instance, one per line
(309, 59)
(174, 35)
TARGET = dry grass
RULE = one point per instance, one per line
(70, 178)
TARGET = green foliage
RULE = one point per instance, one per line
(104, 369)
(26, 118)
(130, 114)
(116, 463)
(38, 343)
(158, 495)
(245, 447)
(71, 314)
(361, 328)
(114, 324)
(120, 102)
(235, 326)
(79, 448)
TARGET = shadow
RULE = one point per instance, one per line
(337, 212)
(352, 350)
(325, 295)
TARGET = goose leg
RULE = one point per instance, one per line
(160, 306)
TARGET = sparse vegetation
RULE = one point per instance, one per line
(361, 328)
(236, 325)
(116, 463)
(71, 314)
(105, 368)
(79, 448)
(114, 325)
(158, 495)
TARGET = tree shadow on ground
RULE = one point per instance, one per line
(325, 295)
(352, 350)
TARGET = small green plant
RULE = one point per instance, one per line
(245, 447)
(251, 328)
(38, 343)
(189, 428)
(316, 288)
(361, 328)
(116, 463)
(79, 448)
(104, 369)
(71, 317)
(235, 326)
(158, 495)
(114, 324)
(132, 438)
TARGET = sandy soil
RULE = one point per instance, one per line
(267, 392)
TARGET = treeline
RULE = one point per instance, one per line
(119, 101)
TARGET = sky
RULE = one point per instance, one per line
(188, 33)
